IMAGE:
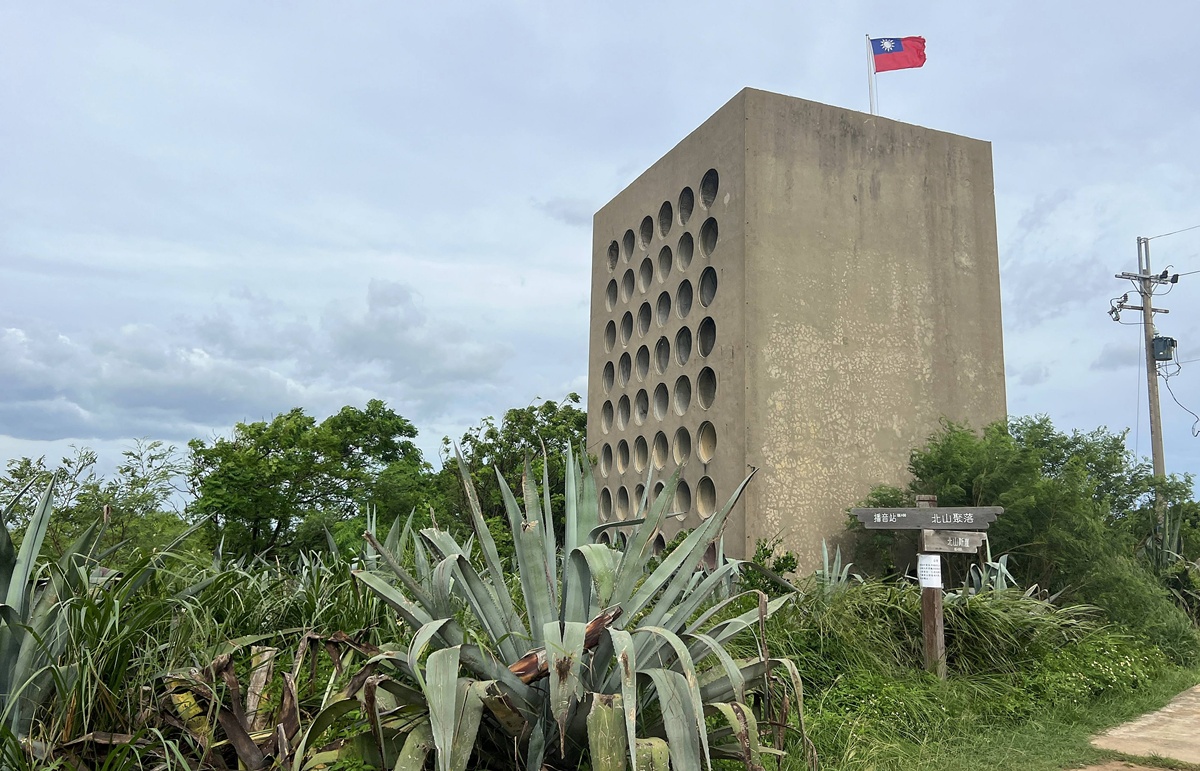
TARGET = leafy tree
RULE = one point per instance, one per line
(541, 432)
(1078, 512)
(276, 486)
(137, 501)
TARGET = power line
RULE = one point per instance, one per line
(1174, 232)
(1196, 422)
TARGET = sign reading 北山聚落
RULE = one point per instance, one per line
(948, 517)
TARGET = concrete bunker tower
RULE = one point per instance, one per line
(798, 288)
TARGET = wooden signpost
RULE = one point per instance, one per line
(953, 530)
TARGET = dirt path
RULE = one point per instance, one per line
(1168, 733)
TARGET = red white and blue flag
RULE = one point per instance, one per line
(898, 53)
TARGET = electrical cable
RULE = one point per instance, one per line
(1196, 422)
(1173, 232)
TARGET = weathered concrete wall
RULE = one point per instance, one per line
(873, 305)
(680, 420)
(848, 266)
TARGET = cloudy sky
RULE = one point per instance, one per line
(214, 212)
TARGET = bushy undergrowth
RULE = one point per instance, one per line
(1011, 657)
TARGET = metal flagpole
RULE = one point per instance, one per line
(871, 77)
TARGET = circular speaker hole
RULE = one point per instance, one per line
(684, 251)
(610, 295)
(623, 366)
(627, 286)
(683, 395)
(706, 442)
(623, 503)
(706, 333)
(622, 456)
(683, 346)
(706, 497)
(641, 406)
(643, 319)
(606, 458)
(606, 511)
(626, 328)
(606, 417)
(706, 387)
(662, 355)
(708, 286)
(687, 202)
(658, 488)
(662, 311)
(681, 449)
(666, 216)
(641, 454)
(683, 299)
(645, 274)
(610, 335)
(627, 245)
(608, 376)
(683, 499)
(659, 454)
(708, 188)
(665, 260)
(646, 232)
(641, 364)
(708, 237)
(614, 252)
(662, 399)
(639, 492)
(623, 416)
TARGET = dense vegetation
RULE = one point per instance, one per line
(249, 623)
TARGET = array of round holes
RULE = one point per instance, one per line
(653, 336)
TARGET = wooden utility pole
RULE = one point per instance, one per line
(1145, 282)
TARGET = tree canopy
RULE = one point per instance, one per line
(1078, 516)
(273, 484)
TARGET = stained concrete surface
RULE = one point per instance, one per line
(1171, 732)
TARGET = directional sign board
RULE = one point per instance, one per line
(956, 517)
(952, 541)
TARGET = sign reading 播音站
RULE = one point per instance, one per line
(948, 517)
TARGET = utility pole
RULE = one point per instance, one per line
(1145, 282)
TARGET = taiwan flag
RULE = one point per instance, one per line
(898, 53)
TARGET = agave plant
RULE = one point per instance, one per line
(588, 655)
(36, 659)
(31, 625)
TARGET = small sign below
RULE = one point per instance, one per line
(956, 517)
(952, 541)
(929, 571)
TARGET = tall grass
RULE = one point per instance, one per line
(1011, 657)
